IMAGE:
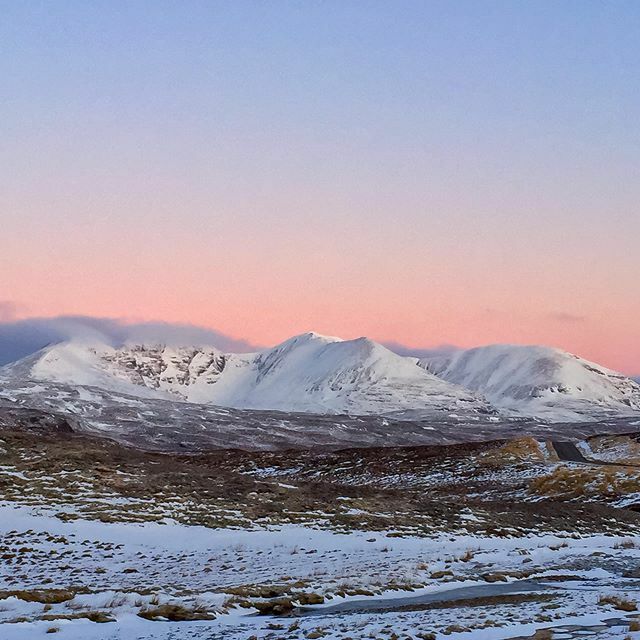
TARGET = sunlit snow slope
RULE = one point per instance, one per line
(319, 374)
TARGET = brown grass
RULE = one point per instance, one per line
(519, 450)
(618, 602)
(43, 596)
(570, 482)
(175, 613)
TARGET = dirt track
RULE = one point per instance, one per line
(569, 452)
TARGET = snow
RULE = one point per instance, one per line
(133, 627)
(175, 555)
(316, 374)
(77, 361)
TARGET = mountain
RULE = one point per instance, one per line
(154, 371)
(159, 424)
(316, 374)
(540, 382)
(307, 373)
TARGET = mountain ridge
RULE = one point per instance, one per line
(308, 373)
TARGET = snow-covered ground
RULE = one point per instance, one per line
(484, 540)
(121, 570)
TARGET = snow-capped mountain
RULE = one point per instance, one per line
(307, 373)
(539, 382)
(316, 374)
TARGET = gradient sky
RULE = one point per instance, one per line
(423, 172)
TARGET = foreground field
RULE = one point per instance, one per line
(493, 540)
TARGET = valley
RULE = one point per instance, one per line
(494, 539)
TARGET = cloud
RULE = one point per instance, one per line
(421, 352)
(20, 338)
(561, 316)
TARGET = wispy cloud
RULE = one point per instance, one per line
(8, 310)
(563, 316)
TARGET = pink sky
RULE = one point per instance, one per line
(410, 258)
(391, 286)
(428, 174)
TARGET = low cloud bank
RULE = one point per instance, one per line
(20, 338)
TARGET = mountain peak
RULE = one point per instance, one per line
(309, 336)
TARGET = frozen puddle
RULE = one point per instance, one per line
(466, 594)
(574, 632)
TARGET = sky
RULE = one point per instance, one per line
(419, 172)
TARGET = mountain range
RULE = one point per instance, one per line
(316, 374)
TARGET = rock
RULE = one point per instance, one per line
(494, 577)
